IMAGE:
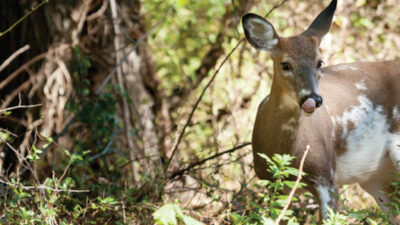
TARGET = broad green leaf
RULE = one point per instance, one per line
(166, 215)
(187, 220)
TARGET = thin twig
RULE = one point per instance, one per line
(275, 7)
(43, 187)
(191, 166)
(107, 148)
(291, 194)
(13, 56)
(22, 18)
(19, 107)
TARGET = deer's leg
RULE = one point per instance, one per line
(326, 195)
(325, 191)
(378, 189)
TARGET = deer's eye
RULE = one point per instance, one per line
(286, 66)
(320, 62)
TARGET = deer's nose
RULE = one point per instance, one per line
(316, 97)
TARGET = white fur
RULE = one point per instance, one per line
(303, 92)
(288, 74)
(366, 144)
(361, 86)
(263, 32)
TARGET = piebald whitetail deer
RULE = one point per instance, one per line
(348, 113)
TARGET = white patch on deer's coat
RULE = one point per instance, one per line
(366, 143)
(361, 86)
(324, 198)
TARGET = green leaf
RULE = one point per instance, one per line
(166, 215)
(190, 221)
(267, 221)
(6, 113)
(182, 3)
(169, 213)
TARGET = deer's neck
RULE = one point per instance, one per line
(284, 114)
(283, 106)
(276, 129)
(279, 123)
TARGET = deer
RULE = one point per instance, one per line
(349, 114)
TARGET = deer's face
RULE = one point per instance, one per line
(297, 65)
(297, 61)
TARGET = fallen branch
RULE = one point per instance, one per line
(291, 194)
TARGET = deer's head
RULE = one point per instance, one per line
(297, 61)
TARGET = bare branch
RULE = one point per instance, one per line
(13, 56)
(19, 107)
(275, 7)
(44, 187)
(191, 166)
(22, 18)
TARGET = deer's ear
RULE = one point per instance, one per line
(322, 23)
(259, 32)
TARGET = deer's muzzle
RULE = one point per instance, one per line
(310, 102)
